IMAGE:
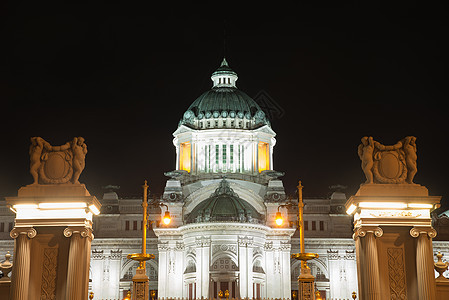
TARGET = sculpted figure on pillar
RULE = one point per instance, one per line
(57, 164)
(365, 151)
(394, 164)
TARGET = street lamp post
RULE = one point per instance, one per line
(140, 289)
(306, 281)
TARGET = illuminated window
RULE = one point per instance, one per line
(243, 158)
(208, 158)
(239, 159)
(263, 157)
(184, 156)
(231, 152)
(217, 155)
(224, 156)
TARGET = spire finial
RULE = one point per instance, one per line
(224, 62)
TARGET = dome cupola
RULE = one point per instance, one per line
(224, 106)
(224, 205)
(224, 76)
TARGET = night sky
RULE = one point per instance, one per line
(335, 74)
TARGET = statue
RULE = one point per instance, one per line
(57, 164)
(388, 163)
(79, 149)
(365, 152)
(36, 148)
(410, 157)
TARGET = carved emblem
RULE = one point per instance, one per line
(388, 164)
(57, 164)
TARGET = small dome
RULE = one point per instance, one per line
(224, 106)
(224, 205)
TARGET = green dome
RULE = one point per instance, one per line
(224, 103)
(224, 205)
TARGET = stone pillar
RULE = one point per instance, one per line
(370, 286)
(424, 262)
(202, 267)
(244, 261)
(162, 281)
(205, 250)
(78, 262)
(285, 250)
(21, 267)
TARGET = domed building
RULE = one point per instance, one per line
(223, 197)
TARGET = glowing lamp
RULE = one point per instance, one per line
(128, 296)
(351, 209)
(278, 219)
(166, 219)
(94, 209)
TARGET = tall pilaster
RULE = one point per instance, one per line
(21, 267)
(244, 263)
(285, 250)
(78, 262)
(202, 269)
(424, 262)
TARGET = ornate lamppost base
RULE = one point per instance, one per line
(141, 282)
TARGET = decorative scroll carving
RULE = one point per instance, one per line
(245, 241)
(396, 273)
(57, 164)
(362, 231)
(97, 254)
(224, 248)
(49, 272)
(29, 231)
(388, 164)
(163, 246)
(116, 254)
(203, 241)
(416, 231)
(268, 246)
(83, 231)
(333, 255)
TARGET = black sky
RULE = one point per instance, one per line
(123, 83)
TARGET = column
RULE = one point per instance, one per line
(249, 263)
(205, 250)
(371, 275)
(162, 281)
(245, 267)
(285, 270)
(78, 262)
(424, 262)
(21, 268)
(202, 267)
